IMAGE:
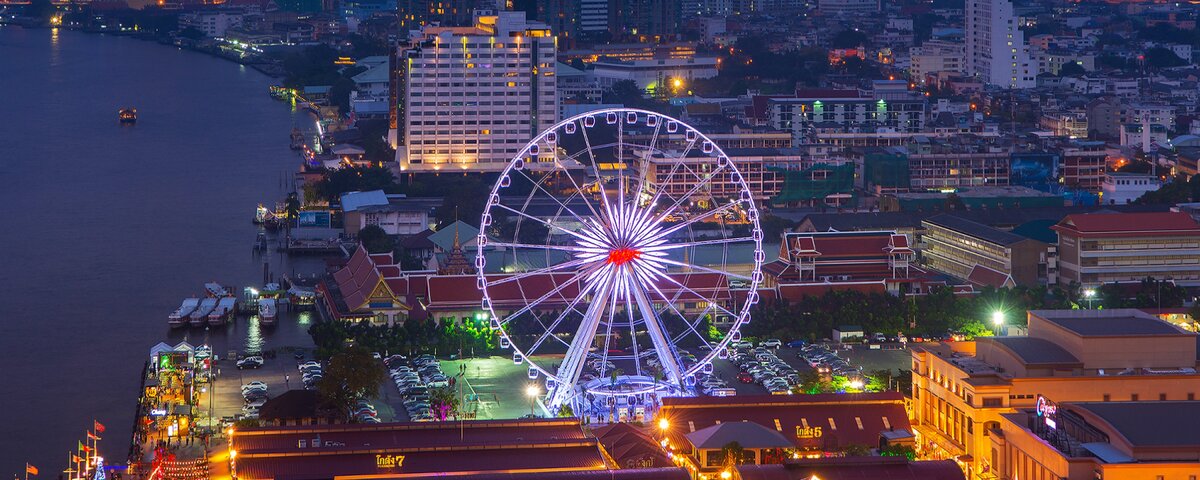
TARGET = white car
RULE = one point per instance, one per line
(771, 343)
(255, 385)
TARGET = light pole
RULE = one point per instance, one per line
(997, 321)
(1089, 294)
(532, 391)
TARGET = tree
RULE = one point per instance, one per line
(444, 402)
(352, 374)
(339, 94)
(848, 39)
(906, 451)
(626, 92)
(1159, 58)
(773, 226)
(856, 450)
(355, 179)
(733, 455)
(975, 329)
(375, 240)
(1071, 69)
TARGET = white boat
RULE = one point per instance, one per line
(224, 309)
(201, 313)
(267, 311)
(179, 317)
(215, 289)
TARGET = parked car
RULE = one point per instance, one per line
(745, 377)
(249, 362)
(771, 343)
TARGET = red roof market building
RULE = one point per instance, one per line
(1100, 248)
(373, 287)
(812, 263)
(537, 448)
(819, 424)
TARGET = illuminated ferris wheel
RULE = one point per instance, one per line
(609, 253)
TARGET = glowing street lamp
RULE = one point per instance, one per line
(1089, 294)
(532, 391)
(997, 321)
(664, 424)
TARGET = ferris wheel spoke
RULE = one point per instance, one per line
(570, 308)
(543, 222)
(572, 365)
(705, 298)
(717, 241)
(692, 325)
(579, 190)
(548, 246)
(655, 329)
(540, 271)
(696, 188)
(574, 279)
(658, 193)
(703, 269)
(537, 185)
(695, 218)
(595, 168)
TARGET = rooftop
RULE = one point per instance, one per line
(748, 434)
(1150, 424)
(1087, 324)
(1033, 350)
(1139, 223)
(975, 229)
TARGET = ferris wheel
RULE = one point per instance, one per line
(618, 255)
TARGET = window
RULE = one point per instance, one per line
(1162, 397)
(1134, 397)
(1107, 397)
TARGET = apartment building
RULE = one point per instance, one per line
(765, 171)
(844, 111)
(962, 391)
(1099, 248)
(936, 56)
(996, 49)
(470, 97)
(982, 255)
(1083, 164)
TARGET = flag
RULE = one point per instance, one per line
(92, 436)
(84, 448)
(76, 459)
(99, 427)
(30, 469)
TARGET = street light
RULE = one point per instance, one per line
(533, 392)
(997, 320)
(1089, 294)
(664, 424)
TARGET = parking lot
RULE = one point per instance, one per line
(223, 398)
(860, 357)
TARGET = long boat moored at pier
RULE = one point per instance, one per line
(223, 311)
(179, 317)
(267, 311)
(201, 314)
(215, 289)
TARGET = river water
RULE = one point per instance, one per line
(105, 228)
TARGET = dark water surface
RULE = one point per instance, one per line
(104, 228)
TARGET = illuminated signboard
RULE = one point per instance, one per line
(808, 432)
(389, 461)
(1047, 411)
(172, 360)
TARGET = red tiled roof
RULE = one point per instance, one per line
(794, 293)
(544, 458)
(1129, 224)
(357, 279)
(844, 418)
(630, 446)
(987, 277)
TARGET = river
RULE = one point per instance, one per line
(105, 228)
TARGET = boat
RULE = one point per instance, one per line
(223, 311)
(198, 316)
(215, 289)
(267, 310)
(127, 115)
(179, 317)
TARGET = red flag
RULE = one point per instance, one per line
(99, 427)
(76, 459)
(30, 469)
(92, 436)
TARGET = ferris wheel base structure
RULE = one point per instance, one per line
(606, 272)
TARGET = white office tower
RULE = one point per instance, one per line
(470, 97)
(996, 50)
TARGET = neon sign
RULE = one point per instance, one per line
(389, 461)
(1048, 411)
(808, 432)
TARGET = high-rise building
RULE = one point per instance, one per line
(573, 20)
(996, 50)
(655, 20)
(468, 98)
(447, 13)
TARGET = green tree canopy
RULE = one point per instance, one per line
(352, 374)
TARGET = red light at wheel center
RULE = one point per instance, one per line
(622, 256)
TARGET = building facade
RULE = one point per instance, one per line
(470, 97)
(981, 254)
(996, 48)
(1094, 249)
(963, 390)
